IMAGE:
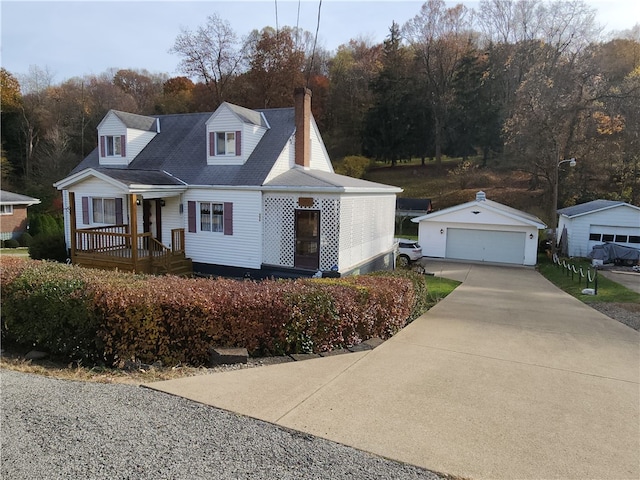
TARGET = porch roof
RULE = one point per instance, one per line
(130, 181)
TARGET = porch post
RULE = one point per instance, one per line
(72, 224)
(133, 229)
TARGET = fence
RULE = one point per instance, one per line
(590, 275)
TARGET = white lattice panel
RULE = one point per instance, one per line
(279, 229)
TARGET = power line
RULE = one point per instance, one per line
(277, 29)
(315, 41)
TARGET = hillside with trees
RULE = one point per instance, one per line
(507, 91)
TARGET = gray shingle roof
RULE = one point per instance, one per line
(181, 150)
(589, 207)
(140, 177)
(247, 115)
(16, 198)
(139, 122)
(297, 177)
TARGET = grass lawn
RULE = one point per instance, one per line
(438, 288)
(608, 291)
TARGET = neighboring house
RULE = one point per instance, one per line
(596, 222)
(481, 231)
(239, 192)
(13, 214)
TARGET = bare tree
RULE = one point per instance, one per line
(212, 54)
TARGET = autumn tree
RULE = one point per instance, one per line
(11, 107)
(177, 96)
(142, 86)
(276, 67)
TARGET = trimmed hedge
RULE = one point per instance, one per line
(106, 317)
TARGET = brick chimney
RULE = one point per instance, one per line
(302, 99)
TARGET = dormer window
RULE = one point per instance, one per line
(112, 145)
(224, 144)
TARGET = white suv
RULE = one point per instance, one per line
(408, 251)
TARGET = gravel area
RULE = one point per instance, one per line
(61, 429)
(627, 313)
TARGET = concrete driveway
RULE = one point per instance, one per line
(508, 377)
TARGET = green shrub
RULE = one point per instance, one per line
(11, 243)
(25, 239)
(353, 166)
(44, 223)
(46, 305)
(48, 247)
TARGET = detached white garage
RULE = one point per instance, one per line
(480, 231)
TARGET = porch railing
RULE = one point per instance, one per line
(117, 244)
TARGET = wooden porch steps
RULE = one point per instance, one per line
(178, 265)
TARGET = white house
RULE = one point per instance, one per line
(596, 222)
(237, 191)
(481, 231)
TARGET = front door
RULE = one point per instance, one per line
(152, 218)
(307, 254)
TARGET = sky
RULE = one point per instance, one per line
(77, 38)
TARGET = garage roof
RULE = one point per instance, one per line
(592, 207)
(490, 205)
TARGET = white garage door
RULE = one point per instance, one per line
(485, 245)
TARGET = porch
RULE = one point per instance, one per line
(123, 248)
(114, 247)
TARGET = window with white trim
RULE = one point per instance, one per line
(6, 209)
(103, 210)
(211, 217)
(225, 143)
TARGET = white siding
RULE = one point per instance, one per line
(136, 140)
(224, 120)
(111, 125)
(171, 218)
(244, 247)
(284, 163)
(367, 225)
(94, 187)
(615, 220)
(319, 157)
